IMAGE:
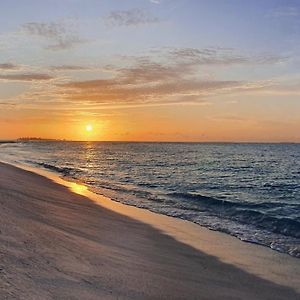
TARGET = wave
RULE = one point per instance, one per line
(242, 212)
(245, 213)
(210, 201)
(66, 171)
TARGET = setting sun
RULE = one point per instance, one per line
(89, 128)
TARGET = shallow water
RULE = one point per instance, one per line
(251, 191)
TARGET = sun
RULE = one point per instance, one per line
(89, 127)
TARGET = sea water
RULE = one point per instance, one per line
(250, 191)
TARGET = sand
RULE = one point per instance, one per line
(58, 244)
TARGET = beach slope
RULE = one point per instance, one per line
(55, 244)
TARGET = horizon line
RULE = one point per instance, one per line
(147, 141)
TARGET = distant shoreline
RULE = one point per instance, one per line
(144, 142)
(8, 142)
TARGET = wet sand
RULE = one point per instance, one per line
(57, 244)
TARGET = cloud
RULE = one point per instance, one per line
(7, 104)
(69, 68)
(49, 30)
(26, 77)
(65, 43)
(146, 71)
(58, 35)
(132, 17)
(147, 82)
(221, 56)
(171, 76)
(288, 11)
(8, 66)
(286, 89)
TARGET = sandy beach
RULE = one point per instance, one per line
(58, 244)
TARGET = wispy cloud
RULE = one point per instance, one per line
(49, 30)
(59, 36)
(134, 17)
(9, 66)
(26, 77)
(148, 82)
(221, 56)
(7, 104)
(69, 68)
(166, 77)
(287, 11)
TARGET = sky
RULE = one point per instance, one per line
(150, 70)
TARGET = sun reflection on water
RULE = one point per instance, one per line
(78, 188)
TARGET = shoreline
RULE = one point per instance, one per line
(259, 215)
(54, 174)
(263, 263)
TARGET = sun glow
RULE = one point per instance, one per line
(78, 188)
(89, 127)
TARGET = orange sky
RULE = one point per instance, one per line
(175, 123)
(149, 71)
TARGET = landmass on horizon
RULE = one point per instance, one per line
(37, 139)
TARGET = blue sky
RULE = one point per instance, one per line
(100, 58)
(269, 25)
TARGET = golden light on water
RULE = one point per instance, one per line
(78, 188)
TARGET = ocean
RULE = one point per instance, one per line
(250, 191)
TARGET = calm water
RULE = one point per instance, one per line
(251, 191)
